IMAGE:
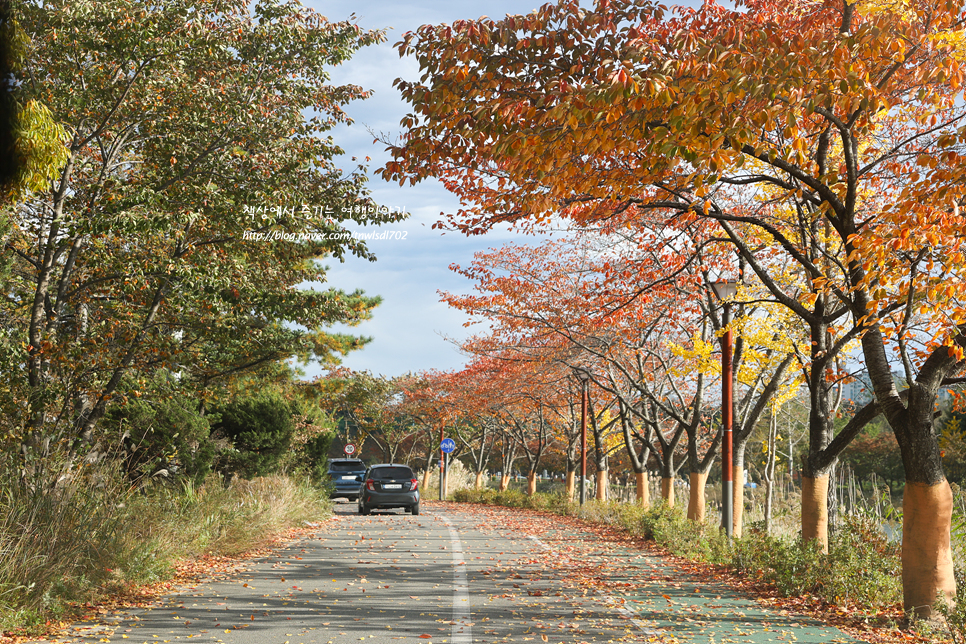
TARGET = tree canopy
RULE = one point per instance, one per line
(187, 124)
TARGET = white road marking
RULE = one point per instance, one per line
(462, 627)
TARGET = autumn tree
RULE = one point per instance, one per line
(425, 399)
(823, 139)
(369, 410)
(482, 394)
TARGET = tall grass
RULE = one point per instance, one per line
(89, 534)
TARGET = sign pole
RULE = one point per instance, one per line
(446, 446)
(445, 474)
(442, 463)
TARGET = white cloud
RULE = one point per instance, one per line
(408, 326)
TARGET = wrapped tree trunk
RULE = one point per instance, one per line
(927, 565)
(815, 473)
(638, 458)
(602, 484)
(696, 503)
(531, 483)
(667, 491)
(643, 491)
(815, 510)
(927, 561)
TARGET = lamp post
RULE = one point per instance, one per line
(584, 377)
(724, 290)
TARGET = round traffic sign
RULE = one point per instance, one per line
(448, 445)
(350, 448)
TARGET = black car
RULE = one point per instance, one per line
(389, 485)
(346, 475)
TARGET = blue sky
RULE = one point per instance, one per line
(411, 327)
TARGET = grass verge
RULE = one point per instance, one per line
(90, 537)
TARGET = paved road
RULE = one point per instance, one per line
(456, 574)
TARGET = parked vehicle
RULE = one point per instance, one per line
(346, 476)
(389, 485)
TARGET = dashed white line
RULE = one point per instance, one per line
(462, 626)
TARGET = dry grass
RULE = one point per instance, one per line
(90, 534)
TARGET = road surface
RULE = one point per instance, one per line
(457, 574)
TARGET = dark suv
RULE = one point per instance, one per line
(346, 475)
(389, 486)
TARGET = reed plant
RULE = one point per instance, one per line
(87, 533)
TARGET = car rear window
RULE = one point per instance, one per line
(383, 473)
(346, 466)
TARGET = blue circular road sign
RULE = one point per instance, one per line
(448, 445)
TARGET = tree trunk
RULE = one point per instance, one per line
(770, 470)
(427, 473)
(738, 491)
(601, 485)
(643, 492)
(696, 503)
(571, 484)
(667, 491)
(504, 482)
(531, 483)
(927, 571)
(815, 510)
(768, 500)
(927, 562)
(478, 485)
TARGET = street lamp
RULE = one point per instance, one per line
(724, 290)
(584, 378)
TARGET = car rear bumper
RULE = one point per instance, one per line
(347, 491)
(390, 499)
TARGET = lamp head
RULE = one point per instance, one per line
(724, 289)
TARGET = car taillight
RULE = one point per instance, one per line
(370, 485)
(413, 484)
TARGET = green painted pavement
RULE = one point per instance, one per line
(668, 603)
(696, 610)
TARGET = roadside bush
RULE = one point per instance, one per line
(791, 565)
(260, 429)
(213, 517)
(313, 433)
(955, 616)
(162, 433)
(864, 566)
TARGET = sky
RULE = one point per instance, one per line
(411, 330)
